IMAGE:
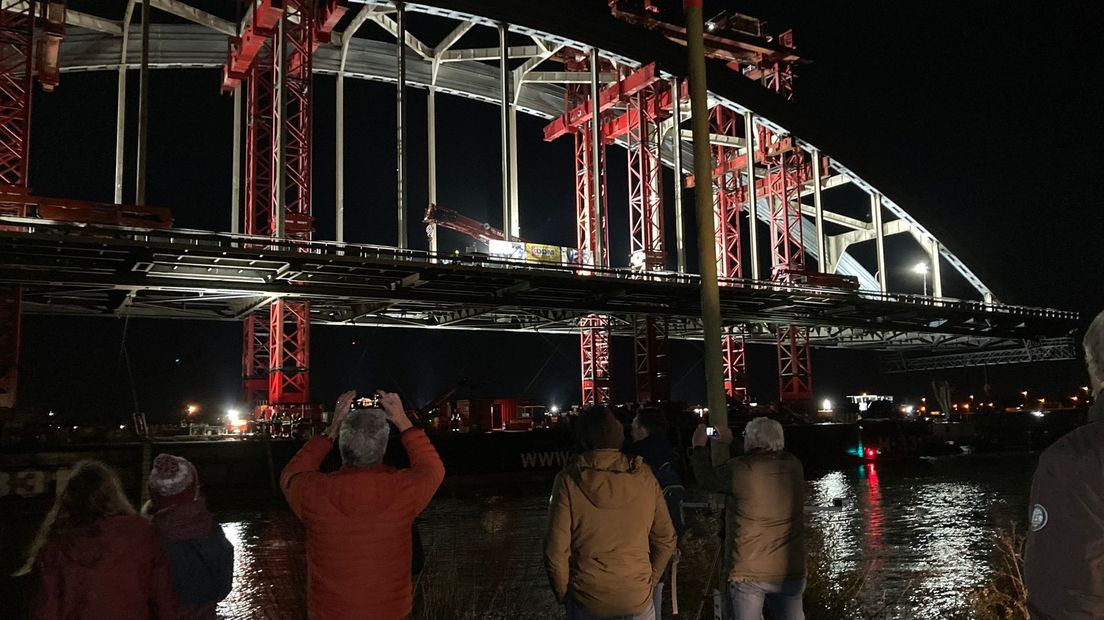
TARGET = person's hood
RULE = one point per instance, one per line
(606, 477)
(103, 541)
(655, 450)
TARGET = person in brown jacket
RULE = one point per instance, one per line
(359, 518)
(609, 534)
(764, 542)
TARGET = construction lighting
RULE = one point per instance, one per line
(192, 409)
(554, 409)
(920, 268)
(826, 405)
(1024, 393)
(1037, 413)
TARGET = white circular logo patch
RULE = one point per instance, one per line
(1038, 518)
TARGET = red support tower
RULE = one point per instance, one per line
(594, 338)
(289, 335)
(728, 195)
(276, 340)
(260, 211)
(785, 177)
(17, 24)
(648, 253)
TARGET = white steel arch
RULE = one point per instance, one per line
(96, 44)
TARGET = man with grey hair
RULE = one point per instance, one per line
(764, 532)
(1064, 555)
(359, 519)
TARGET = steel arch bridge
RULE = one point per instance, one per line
(556, 64)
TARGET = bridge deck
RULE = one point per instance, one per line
(111, 271)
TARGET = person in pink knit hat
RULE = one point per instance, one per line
(200, 556)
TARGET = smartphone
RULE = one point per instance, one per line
(711, 431)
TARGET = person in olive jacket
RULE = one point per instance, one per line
(764, 541)
(609, 534)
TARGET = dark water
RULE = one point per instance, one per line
(921, 533)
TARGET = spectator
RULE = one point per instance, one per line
(359, 519)
(609, 534)
(200, 557)
(764, 542)
(649, 441)
(1064, 556)
(95, 558)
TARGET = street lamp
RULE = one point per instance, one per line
(922, 269)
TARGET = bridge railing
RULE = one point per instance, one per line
(181, 238)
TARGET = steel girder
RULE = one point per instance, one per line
(1049, 349)
(56, 261)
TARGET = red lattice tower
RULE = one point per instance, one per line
(276, 341)
(17, 24)
(594, 335)
(260, 210)
(289, 335)
(784, 180)
(653, 381)
(728, 196)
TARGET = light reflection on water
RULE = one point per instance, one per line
(923, 533)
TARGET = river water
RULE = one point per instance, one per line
(917, 537)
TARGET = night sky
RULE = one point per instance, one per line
(983, 118)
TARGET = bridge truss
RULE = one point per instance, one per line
(622, 89)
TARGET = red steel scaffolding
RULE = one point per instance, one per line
(277, 50)
(17, 25)
(648, 251)
(590, 222)
(728, 195)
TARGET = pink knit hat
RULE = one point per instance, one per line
(173, 480)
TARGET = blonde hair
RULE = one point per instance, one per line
(764, 434)
(92, 492)
(1094, 348)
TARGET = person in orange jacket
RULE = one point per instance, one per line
(359, 518)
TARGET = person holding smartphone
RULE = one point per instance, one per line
(359, 518)
(764, 536)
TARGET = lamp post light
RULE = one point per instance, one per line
(922, 269)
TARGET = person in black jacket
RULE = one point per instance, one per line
(649, 441)
(1064, 557)
(200, 557)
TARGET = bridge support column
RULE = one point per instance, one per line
(818, 206)
(676, 156)
(120, 113)
(879, 238)
(753, 203)
(937, 275)
(400, 120)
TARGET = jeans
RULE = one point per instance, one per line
(746, 598)
(575, 612)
